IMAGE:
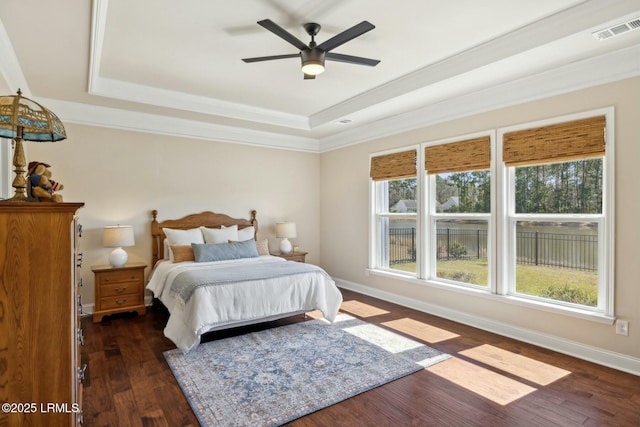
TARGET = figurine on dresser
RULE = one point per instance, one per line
(41, 187)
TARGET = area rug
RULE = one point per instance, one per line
(274, 376)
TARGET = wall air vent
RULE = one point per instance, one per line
(617, 29)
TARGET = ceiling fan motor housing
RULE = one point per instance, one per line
(312, 61)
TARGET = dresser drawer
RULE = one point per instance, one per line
(123, 276)
(122, 301)
(121, 288)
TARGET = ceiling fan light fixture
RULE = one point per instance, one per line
(312, 62)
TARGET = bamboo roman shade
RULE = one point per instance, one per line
(470, 154)
(577, 139)
(394, 166)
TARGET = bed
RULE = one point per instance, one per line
(211, 273)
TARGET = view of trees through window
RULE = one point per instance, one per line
(568, 187)
(557, 258)
(566, 250)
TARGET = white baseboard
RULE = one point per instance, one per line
(592, 354)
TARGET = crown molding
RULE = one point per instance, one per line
(10, 69)
(127, 91)
(92, 115)
(590, 72)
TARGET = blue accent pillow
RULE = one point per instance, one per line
(204, 252)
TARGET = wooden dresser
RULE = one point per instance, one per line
(40, 335)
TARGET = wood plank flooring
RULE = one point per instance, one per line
(489, 381)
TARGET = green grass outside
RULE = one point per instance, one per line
(557, 283)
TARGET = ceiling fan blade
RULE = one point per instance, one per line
(346, 35)
(309, 76)
(352, 59)
(270, 58)
(282, 33)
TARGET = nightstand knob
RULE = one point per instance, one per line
(121, 302)
(120, 290)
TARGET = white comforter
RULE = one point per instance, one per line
(229, 305)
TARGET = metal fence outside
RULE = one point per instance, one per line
(572, 251)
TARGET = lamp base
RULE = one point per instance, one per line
(118, 257)
(285, 246)
(19, 163)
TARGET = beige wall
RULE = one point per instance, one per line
(121, 176)
(344, 219)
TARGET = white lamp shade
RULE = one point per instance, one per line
(116, 237)
(285, 230)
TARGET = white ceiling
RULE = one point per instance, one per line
(175, 67)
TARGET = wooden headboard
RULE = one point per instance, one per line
(206, 219)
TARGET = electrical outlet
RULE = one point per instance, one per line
(622, 327)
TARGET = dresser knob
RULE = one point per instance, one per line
(121, 302)
(120, 290)
(81, 371)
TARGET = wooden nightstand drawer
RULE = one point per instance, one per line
(293, 256)
(119, 289)
(121, 302)
(122, 276)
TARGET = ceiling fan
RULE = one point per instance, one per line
(312, 55)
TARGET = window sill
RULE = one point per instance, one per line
(508, 299)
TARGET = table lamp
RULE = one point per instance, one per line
(117, 236)
(285, 230)
(24, 119)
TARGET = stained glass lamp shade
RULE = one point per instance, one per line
(24, 119)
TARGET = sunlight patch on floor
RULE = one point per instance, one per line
(389, 341)
(361, 309)
(316, 314)
(516, 364)
(482, 381)
(420, 330)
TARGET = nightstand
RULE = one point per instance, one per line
(119, 289)
(293, 256)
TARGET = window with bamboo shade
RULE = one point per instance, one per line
(466, 155)
(577, 139)
(393, 166)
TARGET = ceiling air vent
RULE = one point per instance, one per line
(617, 29)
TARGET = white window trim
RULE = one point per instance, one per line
(498, 226)
(375, 246)
(5, 168)
(430, 216)
(505, 214)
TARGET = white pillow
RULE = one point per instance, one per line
(180, 237)
(246, 234)
(220, 235)
(183, 237)
(167, 248)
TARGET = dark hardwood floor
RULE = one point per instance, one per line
(489, 381)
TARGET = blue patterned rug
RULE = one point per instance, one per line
(274, 376)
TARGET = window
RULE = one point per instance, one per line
(459, 210)
(395, 211)
(557, 217)
(5, 168)
(524, 212)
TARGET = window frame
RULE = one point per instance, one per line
(432, 216)
(507, 218)
(376, 201)
(501, 277)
